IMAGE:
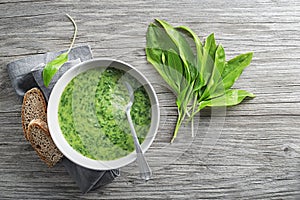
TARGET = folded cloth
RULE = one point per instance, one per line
(26, 73)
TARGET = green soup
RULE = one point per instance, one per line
(92, 114)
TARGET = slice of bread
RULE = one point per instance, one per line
(42, 143)
(34, 107)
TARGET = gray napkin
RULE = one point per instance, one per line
(26, 73)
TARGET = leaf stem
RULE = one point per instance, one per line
(178, 124)
(193, 110)
(75, 33)
(193, 114)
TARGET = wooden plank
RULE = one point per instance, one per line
(255, 157)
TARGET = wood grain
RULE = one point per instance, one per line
(256, 156)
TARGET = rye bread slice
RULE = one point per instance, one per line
(34, 107)
(42, 142)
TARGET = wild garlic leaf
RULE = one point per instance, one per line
(195, 38)
(52, 67)
(230, 98)
(213, 45)
(199, 82)
(215, 78)
(157, 42)
(157, 38)
(170, 72)
(154, 57)
(185, 51)
(208, 58)
(234, 68)
(175, 67)
(220, 61)
(232, 71)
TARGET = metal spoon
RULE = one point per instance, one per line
(145, 171)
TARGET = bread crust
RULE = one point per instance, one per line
(42, 143)
(34, 107)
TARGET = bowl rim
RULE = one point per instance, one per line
(52, 114)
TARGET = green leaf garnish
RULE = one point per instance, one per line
(199, 77)
(53, 66)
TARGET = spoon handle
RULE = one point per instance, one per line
(145, 171)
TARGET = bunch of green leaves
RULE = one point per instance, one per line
(196, 72)
(53, 66)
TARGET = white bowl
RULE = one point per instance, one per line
(56, 132)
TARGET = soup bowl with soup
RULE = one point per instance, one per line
(87, 119)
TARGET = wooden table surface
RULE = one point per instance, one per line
(257, 154)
